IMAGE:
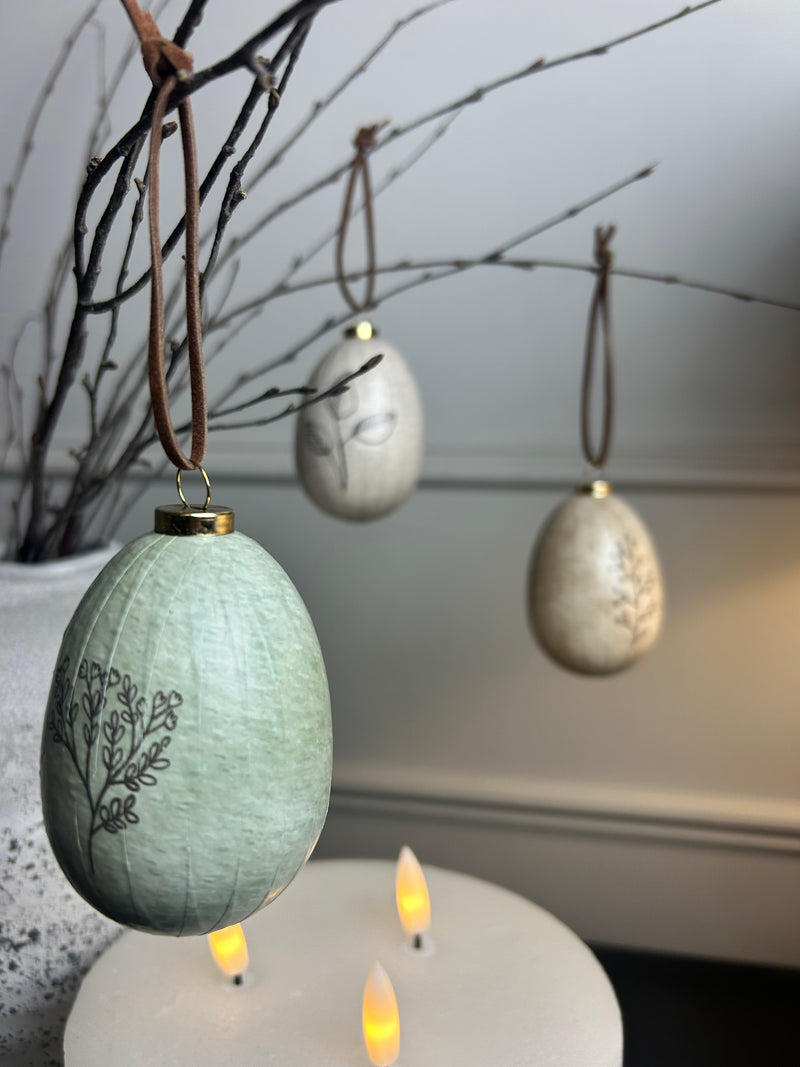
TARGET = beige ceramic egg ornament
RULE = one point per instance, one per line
(595, 593)
(359, 453)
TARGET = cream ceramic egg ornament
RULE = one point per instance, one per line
(359, 453)
(186, 752)
(595, 592)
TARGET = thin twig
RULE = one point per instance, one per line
(292, 48)
(14, 397)
(244, 55)
(396, 172)
(189, 23)
(26, 147)
(538, 67)
(212, 352)
(234, 194)
(282, 289)
(334, 175)
(475, 97)
(321, 105)
(290, 409)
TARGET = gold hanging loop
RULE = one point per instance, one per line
(184, 501)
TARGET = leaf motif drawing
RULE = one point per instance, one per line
(370, 430)
(315, 440)
(374, 429)
(635, 596)
(343, 404)
(130, 750)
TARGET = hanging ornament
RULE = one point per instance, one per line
(186, 752)
(595, 595)
(359, 453)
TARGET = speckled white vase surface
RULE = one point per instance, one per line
(49, 935)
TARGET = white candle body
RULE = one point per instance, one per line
(508, 985)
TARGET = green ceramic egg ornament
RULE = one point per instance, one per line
(186, 752)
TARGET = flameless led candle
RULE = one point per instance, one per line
(229, 949)
(411, 893)
(380, 1018)
(509, 985)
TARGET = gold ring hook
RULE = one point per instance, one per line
(184, 501)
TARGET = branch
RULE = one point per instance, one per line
(31, 125)
(321, 105)
(475, 97)
(189, 23)
(457, 266)
(537, 67)
(396, 172)
(335, 390)
(280, 289)
(245, 55)
(13, 393)
(234, 194)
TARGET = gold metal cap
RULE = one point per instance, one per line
(362, 330)
(598, 488)
(180, 520)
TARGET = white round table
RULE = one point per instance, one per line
(499, 983)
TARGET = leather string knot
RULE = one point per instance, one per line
(164, 62)
(599, 313)
(161, 56)
(364, 141)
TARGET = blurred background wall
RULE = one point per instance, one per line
(657, 808)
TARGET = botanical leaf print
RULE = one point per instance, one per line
(106, 710)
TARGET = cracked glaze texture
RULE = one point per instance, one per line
(186, 754)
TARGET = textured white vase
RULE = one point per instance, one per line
(48, 934)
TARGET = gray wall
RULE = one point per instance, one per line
(657, 808)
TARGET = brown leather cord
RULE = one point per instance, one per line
(599, 308)
(365, 139)
(162, 60)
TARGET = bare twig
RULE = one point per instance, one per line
(87, 273)
(461, 264)
(219, 321)
(99, 476)
(15, 434)
(334, 175)
(538, 67)
(234, 194)
(475, 97)
(247, 52)
(335, 390)
(396, 172)
(281, 289)
(291, 48)
(189, 23)
(26, 147)
(321, 105)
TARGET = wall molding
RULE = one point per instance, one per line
(740, 467)
(705, 820)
